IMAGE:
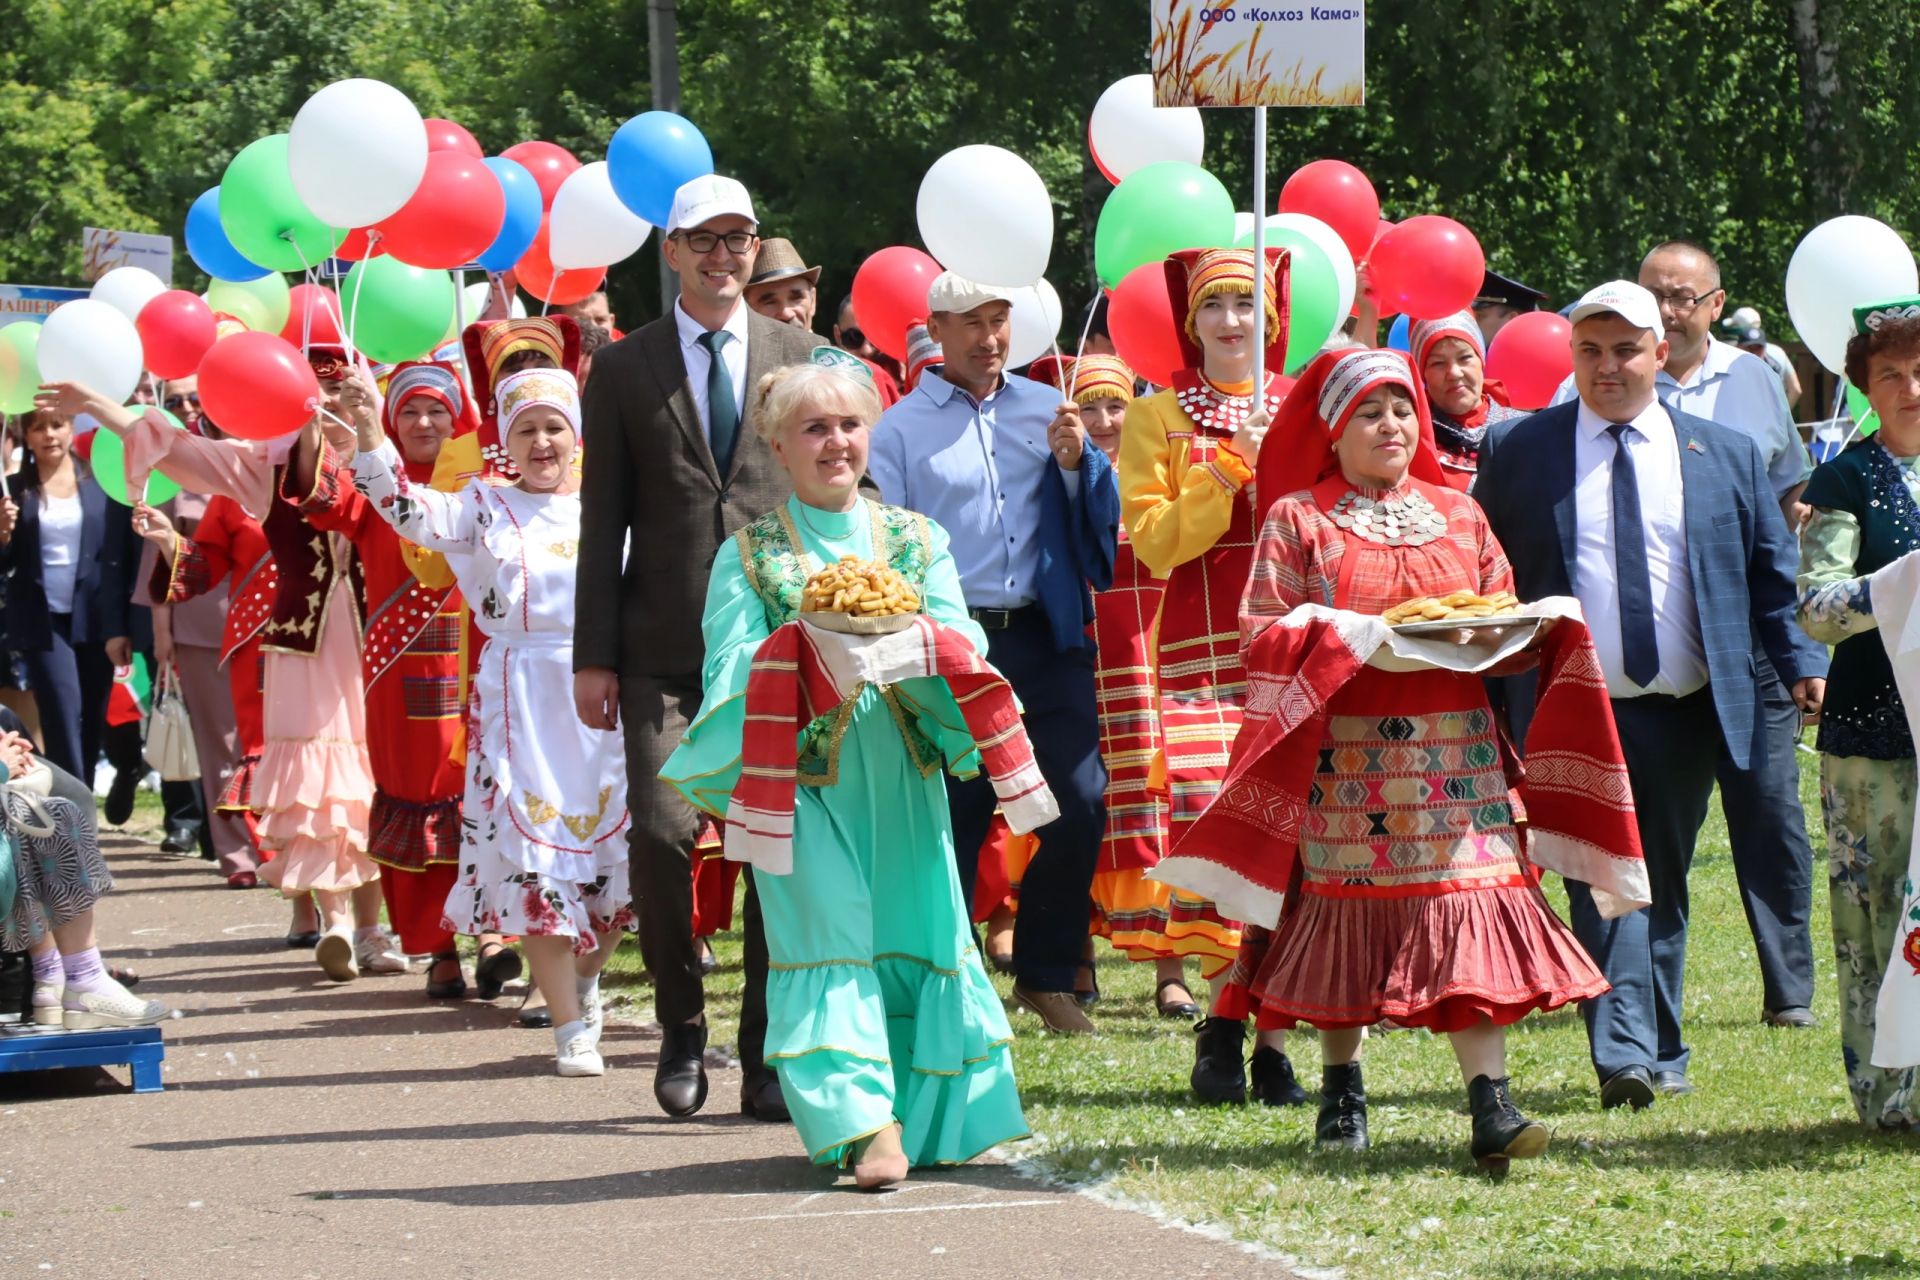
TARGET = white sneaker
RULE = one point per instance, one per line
(334, 954)
(109, 1005)
(575, 1051)
(590, 1007)
(379, 952)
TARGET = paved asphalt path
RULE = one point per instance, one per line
(314, 1130)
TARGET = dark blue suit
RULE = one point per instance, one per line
(66, 653)
(1742, 560)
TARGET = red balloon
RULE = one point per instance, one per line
(356, 246)
(549, 165)
(536, 274)
(176, 328)
(890, 295)
(1532, 354)
(1340, 196)
(325, 326)
(445, 135)
(451, 218)
(1140, 322)
(1427, 267)
(258, 386)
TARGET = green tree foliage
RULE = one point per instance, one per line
(1568, 135)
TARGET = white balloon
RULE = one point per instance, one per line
(1331, 244)
(986, 215)
(1841, 264)
(475, 301)
(91, 343)
(127, 289)
(592, 227)
(357, 151)
(1035, 323)
(1128, 132)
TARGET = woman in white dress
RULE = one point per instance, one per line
(544, 856)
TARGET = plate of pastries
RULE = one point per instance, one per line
(859, 597)
(1456, 611)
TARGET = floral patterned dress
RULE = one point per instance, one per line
(1866, 515)
(543, 816)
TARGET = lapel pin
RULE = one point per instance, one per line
(1696, 447)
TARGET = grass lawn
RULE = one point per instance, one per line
(1763, 1172)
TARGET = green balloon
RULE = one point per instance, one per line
(109, 463)
(1156, 211)
(395, 312)
(19, 366)
(1313, 293)
(1864, 417)
(262, 305)
(263, 215)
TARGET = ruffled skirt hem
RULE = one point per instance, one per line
(1146, 920)
(537, 906)
(303, 864)
(407, 835)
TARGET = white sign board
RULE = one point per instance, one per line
(33, 302)
(1259, 53)
(106, 250)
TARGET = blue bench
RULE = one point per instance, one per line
(139, 1047)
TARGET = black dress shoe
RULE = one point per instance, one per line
(1342, 1125)
(1798, 1019)
(1219, 1075)
(1500, 1132)
(118, 806)
(454, 988)
(680, 1081)
(708, 961)
(1273, 1081)
(495, 970)
(180, 840)
(1627, 1087)
(303, 941)
(760, 1097)
(533, 1016)
(1185, 1010)
(1671, 1084)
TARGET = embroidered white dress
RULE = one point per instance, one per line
(544, 814)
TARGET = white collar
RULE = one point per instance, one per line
(1717, 362)
(1652, 422)
(691, 329)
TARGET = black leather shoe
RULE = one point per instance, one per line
(180, 840)
(1342, 1125)
(118, 806)
(1500, 1132)
(303, 941)
(1219, 1075)
(1671, 1084)
(454, 988)
(1799, 1019)
(708, 961)
(1185, 1010)
(760, 1097)
(495, 970)
(680, 1081)
(533, 1017)
(1627, 1087)
(1273, 1081)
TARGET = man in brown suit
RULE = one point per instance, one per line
(672, 466)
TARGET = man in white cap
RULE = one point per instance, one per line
(1666, 528)
(674, 471)
(1003, 465)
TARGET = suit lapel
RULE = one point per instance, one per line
(670, 373)
(1699, 477)
(1565, 515)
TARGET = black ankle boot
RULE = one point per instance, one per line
(1274, 1084)
(1218, 1073)
(1500, 1132)
(1343, 1109)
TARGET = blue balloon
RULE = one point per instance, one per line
(524, 208)
(1397, 335)
(651, 157)
(208, 246)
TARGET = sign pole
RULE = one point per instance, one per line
(1259, 258)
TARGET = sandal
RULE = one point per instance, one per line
(454, 988)
(1089, 998)
(1186, 1010)
(495, 969)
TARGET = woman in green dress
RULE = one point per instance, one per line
(892, 1046)
(1866, 516)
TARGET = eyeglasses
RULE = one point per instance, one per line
(852, 338)
(704, 241)
(176, 403)
(1684, 304)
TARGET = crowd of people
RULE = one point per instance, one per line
(1149, 691)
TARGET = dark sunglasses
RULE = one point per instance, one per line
(177, 402)
(851, 338)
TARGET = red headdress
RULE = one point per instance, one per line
(1298, 451)
(438, 381)
(490, 343)
(1194, 275)
(1086, 379)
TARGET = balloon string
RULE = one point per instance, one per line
(460, 323)
(1081, 350)
(553, 282)
(373, 247)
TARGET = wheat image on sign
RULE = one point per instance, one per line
(1258, 53)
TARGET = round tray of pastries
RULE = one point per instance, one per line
(1456, 611)
(859, 598)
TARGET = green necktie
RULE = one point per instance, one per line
(723, 415)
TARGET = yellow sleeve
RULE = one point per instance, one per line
(1174, 512)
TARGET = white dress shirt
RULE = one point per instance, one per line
(61, 520)
(1655, 451)
(1739, 390)
(698, 362)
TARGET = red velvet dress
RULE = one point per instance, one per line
(1413, 898)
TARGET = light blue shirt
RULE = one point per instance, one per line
(975, 469)
(1739, 390)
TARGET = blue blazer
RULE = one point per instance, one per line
(1078, 535)
(1742, 556)
(101, 594)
